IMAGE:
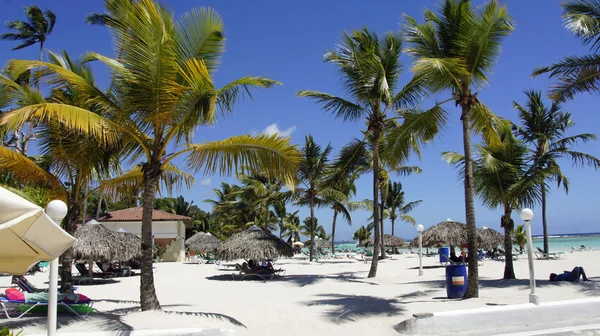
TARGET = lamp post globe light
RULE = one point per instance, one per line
(527, 215)
(56, 210)
(420, 229)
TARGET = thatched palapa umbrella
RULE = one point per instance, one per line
(94, 240)
(454, 233)
(202, 241)
(448, 232)
(131, 245)
(489, 238)
(388, 241)
(254, 243)
(321, 243)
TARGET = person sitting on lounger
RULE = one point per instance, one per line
(260, 269)
(574, 275)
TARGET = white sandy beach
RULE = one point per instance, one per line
(331, 297)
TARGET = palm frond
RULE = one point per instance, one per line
(246, 152)
(25, 170)
(72, 117)
(339, 107)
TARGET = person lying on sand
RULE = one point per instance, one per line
(574, 275)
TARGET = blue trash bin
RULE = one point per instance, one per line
(444, 254)
(456, 281)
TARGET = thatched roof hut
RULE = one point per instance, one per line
(388, 241)
(202, 241)
(321, 243)
(96, 241)
(254, 243)
(489, 238)
(450, 232)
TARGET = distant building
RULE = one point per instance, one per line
(166, 227)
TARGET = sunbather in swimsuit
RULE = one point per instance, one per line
(574, 275)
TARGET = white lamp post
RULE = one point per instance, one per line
(420, 229)
(314, 247)
(527, 216)
(57, 210)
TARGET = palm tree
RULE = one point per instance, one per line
(362, 234)
(370, 67)
(338, 202)
(357, 158)
(396, 206)
(312, 173)
(520, 237)
(545, 128)
(293, 226)
(35, 30)
(281, 214)
(499, 176)
(69, 161)
(162, 91)
(455, 51)
(576, 74)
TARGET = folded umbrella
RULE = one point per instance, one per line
(27, 235)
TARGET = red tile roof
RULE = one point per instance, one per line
(135, 215)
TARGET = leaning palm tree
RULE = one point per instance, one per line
(396, 206)
(455, 51)
(163, 90)
(370, 68)
(499, 177)
(312, 173)
(577, 74)
(544, 128)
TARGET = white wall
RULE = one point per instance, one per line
(163, 229)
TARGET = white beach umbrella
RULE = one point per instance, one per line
(27, 234)
(300, 244)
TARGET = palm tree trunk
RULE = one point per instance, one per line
(333, 231)
(312, 228)
(148, 299)
(392, 219)
(99, 207)
(473, 282)
(69, 225)
(382, 224)
(544, 222)
(375, 147)
(508, 224)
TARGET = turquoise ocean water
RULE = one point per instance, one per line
(556, 243)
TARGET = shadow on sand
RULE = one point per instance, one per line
(351, 308)
(302, 280)
(111, 320)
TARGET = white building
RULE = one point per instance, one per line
(166, 227)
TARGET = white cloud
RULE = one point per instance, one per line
(273, 128)
(205, 182)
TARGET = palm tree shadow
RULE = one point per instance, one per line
(111, 320)
(351, 308)
(302, 280)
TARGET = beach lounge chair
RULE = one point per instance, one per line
(550, 255)
(27, 287)
(83, 272)
(264, 276)
(205, 259)
(18, 304)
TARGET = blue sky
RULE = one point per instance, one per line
(286, 40)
